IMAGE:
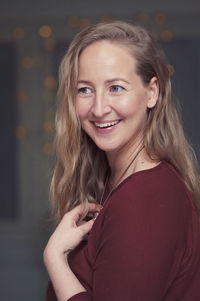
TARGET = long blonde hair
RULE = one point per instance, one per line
(81, 168)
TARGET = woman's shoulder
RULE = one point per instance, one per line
(160, 178)
(160, 189)
(154, 201)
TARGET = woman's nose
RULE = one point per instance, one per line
(100, 105)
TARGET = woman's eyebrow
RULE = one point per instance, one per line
(108, 81)
(85, 82)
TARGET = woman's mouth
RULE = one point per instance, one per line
(104, 125)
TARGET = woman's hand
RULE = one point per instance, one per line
(65, 238)
(70, 231)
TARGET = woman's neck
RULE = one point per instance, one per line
(123, 164)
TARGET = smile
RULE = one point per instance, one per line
(106, 124)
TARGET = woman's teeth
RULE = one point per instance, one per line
(106, 124)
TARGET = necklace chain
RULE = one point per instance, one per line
(120, 178)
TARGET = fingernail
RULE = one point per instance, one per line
(95, 215)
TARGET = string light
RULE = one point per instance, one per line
(142, 18)
(45, 31)
(20, 132)
(107, 18)
(18, 33)
(73, 21)
(27, 62)
(48, 127)
(48, 148)
(84, 22)
(160, 18)
(50, 82)
(21, 96)
(166, 36)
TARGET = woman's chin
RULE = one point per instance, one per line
(107, 149)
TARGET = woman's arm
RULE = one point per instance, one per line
(64, 239)
(63, 279)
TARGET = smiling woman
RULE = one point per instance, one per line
(120, 144)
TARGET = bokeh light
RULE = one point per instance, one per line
(45, 31)
(84, 22)
(50, 82)
(18, 33)
(27, 62)
(160, 18)
(142, 18)
(166, 35)
(73, 21)
(20, 132)
(48, 148)
(107, 18)
(48, 127)
(21, 96)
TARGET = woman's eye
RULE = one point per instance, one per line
(84, 90)
(116, 88)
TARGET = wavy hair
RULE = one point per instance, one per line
(81, 169)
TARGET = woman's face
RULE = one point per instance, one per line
(112, 101)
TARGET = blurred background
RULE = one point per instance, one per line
(33, 37)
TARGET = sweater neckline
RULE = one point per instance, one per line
(133, 175)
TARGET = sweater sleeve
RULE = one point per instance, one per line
(84, 296)
(51, 296)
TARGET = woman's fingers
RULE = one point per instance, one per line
(77, 211)
(86, 227)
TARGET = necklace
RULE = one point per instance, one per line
(119, 179)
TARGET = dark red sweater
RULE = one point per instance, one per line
(144, 245)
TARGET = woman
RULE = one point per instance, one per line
(120, 145)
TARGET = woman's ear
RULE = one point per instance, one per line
(153, 94)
